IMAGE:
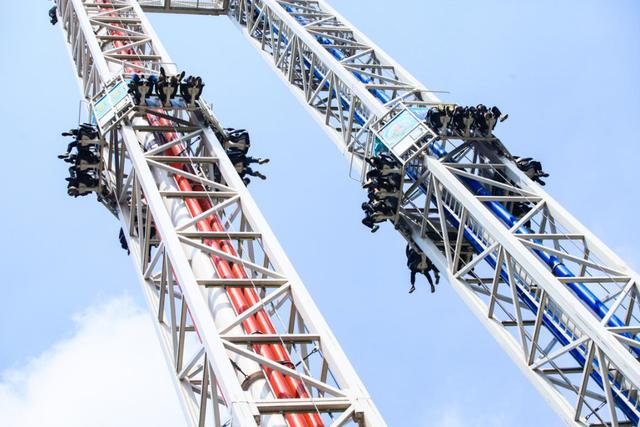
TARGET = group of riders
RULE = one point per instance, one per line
(383, 181)
(83, 153)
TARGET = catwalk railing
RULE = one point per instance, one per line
(242, 337)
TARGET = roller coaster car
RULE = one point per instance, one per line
(439, 119)
(478, 121)
(84, 159)
(493, 116)
(377, 212)
(141, 87)
(385, 163)
(191, 89)
(531, 168)
(386, 208)
(383, 184)
(480, 124)
(86, 138)
(86, 132)
(376, 193)
(237, 153)
(468, 117)
(167, 87)
(237, 138)
(83, 175)
(84, 165)
(81, 184)
(375, 180)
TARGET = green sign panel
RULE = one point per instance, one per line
(105, 108)
(398, 129)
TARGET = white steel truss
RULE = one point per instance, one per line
(245, 343)
(582, 356)
(198, 7)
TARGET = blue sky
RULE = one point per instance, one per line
(566, 72)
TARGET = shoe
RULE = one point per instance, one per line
(375, 228)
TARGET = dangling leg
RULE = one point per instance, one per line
(413, 281)
(251, 172)
(430, 280)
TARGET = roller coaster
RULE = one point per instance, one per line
(243, 339)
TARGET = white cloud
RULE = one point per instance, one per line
(450, 417)
(453, 416)
(110, 372)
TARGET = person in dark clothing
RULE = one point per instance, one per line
(493, 116)
(372, 220)
(85, 137)
(457, 119)
(377, 180)
(480, 120)
(384, 163)
(85, 131)
(439, 118)
(237, 157)
(383, 183)
(377, 212)
(80, 183)
(418, 262)
(53, 17)
(167, 86)
(435, 117)
(241, 162)
(384, 208)
(123, 241)
(141, 87)
(258, 160)
(368, 222)
(83, 175)
(248, 171)
(519, 210)
(531, 168)
(77, 144)
(83, 159)
(238, 139)
(191, 89)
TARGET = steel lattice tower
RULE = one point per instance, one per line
(236, 323)
(558, 301)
